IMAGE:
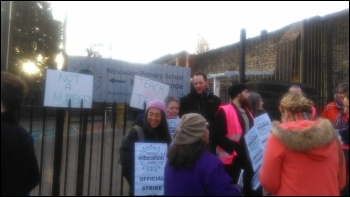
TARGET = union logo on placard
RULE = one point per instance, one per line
(151, 158)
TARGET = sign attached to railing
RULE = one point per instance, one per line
(61, 86)
(145, 90)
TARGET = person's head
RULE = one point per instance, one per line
(190, 139)
(240, 93)
(295, 107)
(172, 105)
(200, 82)
(13, 91)
(191, 129)
(346, 103)
(256, 103)
(340, 91)
(155, 112)
(294, 89)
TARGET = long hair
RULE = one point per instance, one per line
(161, 132)
(185, 156)
(255, 99)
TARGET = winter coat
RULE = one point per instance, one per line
(301, 158)
(330, 112)
(206, 178)
(19, 166)
(206, 105)
(128, 153)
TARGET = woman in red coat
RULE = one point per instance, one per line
(334, 111)
(301, 156)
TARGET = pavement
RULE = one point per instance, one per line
(100, 178)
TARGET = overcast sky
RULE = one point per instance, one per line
(140, 32)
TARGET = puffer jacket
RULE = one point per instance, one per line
(301, 158)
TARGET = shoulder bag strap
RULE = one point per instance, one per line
(140, 133)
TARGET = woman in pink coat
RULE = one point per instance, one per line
(301, 156)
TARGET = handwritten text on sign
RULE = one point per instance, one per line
(145, 90)
(62, 86)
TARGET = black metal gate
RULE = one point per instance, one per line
(78, 149)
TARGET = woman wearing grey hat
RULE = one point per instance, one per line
(191, 169)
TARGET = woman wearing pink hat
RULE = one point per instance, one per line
(155, 130)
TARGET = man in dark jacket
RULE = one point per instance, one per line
(200, 100)
(19, 166)
(229, 137)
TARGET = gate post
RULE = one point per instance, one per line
(58, 152)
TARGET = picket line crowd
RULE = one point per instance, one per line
(207, 154)
(306, 152)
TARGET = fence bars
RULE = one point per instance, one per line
(81, 152)
(102, 150)
(91, 148)
(67, 147)
(42, 150)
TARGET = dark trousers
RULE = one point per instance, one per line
(234, 171)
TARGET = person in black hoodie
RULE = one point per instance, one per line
(200, 100)
(19, 166)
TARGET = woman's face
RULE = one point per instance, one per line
(154, 117)
(261, 105)
(172, 109)
(340, 94)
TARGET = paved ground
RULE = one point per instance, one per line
(98, 176)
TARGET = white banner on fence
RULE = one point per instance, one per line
(61, 86)
(145, 90)
(150, 159)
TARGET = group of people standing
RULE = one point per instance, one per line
(207, 152)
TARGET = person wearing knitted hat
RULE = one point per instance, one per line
(232, 122)
(191, 170)
(155, 129)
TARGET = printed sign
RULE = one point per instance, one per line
(263, 125)
(150, 160)
(255, 148)
(146, 90)
(61, 86)
(114, 79)
(256, 142)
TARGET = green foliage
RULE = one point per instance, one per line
(33, 33)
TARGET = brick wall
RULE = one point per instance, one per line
(280, 52)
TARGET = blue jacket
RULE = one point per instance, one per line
(207, 178)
